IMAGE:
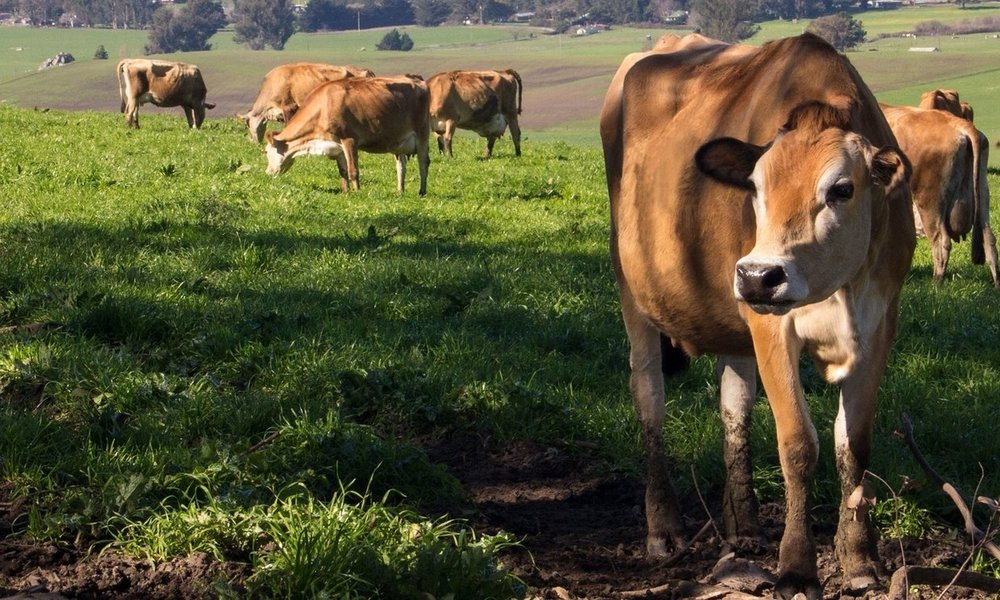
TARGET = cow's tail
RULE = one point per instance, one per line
(122, 82)
(520, 87)
(979, 190)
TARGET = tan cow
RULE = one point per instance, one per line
(951, 197)
(759, 209)
(376, 114)
(285, 87)
(163, 84)
(486, 102)
(947, 100)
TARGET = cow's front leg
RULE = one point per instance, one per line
(798, 447)
(737, 377)
(400, 172)
(856, 540)
(351, 156)
(663, 523)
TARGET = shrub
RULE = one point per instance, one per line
(395, 41)
(101, 53)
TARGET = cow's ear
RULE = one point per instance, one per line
(891, 169)
(729, 161)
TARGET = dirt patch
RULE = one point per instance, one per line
(582, 528)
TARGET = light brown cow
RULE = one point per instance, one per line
(376, 114)
(759, 209)
(947, 100)
(163, 84)
(286, 87)
(486, 102)
(951, 196)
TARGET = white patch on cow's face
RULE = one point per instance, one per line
(811, 239)
(276, 162)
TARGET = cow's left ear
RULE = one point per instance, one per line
(730, 161)
(891, 169)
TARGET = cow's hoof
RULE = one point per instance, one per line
(789, 585)
(859, 586)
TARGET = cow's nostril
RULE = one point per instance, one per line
(773, 277)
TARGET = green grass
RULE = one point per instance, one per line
(203, 357)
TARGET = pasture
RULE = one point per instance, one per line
(319, 387)
(565, 75)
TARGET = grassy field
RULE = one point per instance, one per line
(195, 356)
(198, 357)
(565, 76)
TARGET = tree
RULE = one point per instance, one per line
(326, 15)
(394, 41)
(726, 20)
(186, 30)
(841, 30)
(430, 13)
(263, 23)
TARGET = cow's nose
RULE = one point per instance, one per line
(758, 283)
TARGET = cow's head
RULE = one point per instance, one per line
(278, 158)
(816, 190)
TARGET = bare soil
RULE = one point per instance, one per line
(582, 528)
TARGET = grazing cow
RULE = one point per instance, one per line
(486, 102)
(375, 114)
(947, 100)
(286, 87)
(163, 84)
(951, 197)
(759, 209)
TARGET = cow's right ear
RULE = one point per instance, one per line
(730, 161)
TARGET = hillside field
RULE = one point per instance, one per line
(565, 76)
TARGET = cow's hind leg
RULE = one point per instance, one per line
(515, 134)
(737, 388)
(663, 523)
(199, 116)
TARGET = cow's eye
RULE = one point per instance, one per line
(840, 192)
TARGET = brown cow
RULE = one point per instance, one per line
(759, 209)
(376, 114)
(947, 100)
(951, 196)
(285, 87)
(486, 102)
(163, 84)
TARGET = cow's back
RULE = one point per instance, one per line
(676, 234)
(374, 111)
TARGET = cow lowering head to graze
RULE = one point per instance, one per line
(487, 102)
(286, 87)
(759, 209)
(163, 84)
(951, 195)
(376, 114)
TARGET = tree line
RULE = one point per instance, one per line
(187, 25)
